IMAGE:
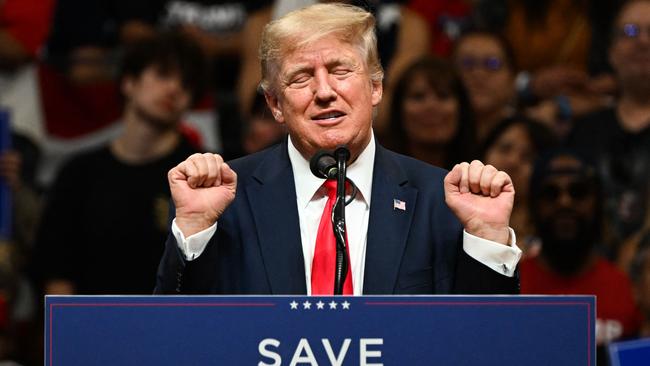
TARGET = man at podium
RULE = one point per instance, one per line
(261, 224)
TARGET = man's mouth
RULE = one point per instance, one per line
(167, 104)
(328, 116)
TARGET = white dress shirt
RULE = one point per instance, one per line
(311, 198)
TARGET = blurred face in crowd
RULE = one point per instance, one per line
(429, 116)
(326, 97)
(485, 72)
(263, 131)
(513, 153)
(566, 215)
(157, 96)
(630, 50)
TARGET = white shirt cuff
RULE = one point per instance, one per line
(193, 245)
(499, 257)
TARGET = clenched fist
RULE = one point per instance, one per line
(202, 187)
(481, 197)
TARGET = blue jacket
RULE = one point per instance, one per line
(257, 247)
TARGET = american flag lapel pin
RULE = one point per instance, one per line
(399, 204)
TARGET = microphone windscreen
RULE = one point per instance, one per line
(321, 164)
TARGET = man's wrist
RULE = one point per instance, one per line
(499, 235)
(192, 225)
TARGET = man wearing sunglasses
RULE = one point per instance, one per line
(565, 205)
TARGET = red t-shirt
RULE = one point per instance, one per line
(616, 312)
(28, 21)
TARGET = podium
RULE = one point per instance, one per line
(305, 330)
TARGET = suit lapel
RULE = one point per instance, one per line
(272, 197)
(388, 227)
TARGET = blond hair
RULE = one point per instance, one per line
(299, 28)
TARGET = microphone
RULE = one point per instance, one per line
(323, 165)
(342, 153)
(329, 165)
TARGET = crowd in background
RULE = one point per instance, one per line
(105, 96)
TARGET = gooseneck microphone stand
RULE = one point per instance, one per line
(342, 155)
(333, 166)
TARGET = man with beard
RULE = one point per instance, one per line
(565, 204)
(107, 212)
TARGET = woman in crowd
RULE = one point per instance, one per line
(512, 146)
(484, 62)
(431, 117)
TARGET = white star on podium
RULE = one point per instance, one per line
(333, 305)
(294, 305)
(346, 305)
(306, 305)
(320, 305)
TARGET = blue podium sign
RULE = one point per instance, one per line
(301, 330)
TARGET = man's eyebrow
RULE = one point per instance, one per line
(297, 69)
(338, 61)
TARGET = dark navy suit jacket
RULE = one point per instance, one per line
(257, 247)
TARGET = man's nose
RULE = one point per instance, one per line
(324, 90)
(174, 85)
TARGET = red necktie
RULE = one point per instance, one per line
(324, 263)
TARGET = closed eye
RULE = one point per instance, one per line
(299, 80)
(341, 71)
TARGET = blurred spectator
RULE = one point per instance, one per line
(402, 37)
(548, 33)
(218, 27)
(552, 42)
(18, 169)
(24, 26)
(262, 130)
(618, 138)
(446, 20)
(512, 146)
(88, 243)
(640, 275)
(576, 30)
(565, 200)
(17, 297)
(76, 85)
(484, 61)
(82, 40)
(431, 118)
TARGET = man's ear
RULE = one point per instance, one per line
(274, 105)
(377, 92)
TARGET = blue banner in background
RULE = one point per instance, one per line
(301, 330)
(5, 192)
(630, 353)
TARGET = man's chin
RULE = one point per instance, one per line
(162, 121)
